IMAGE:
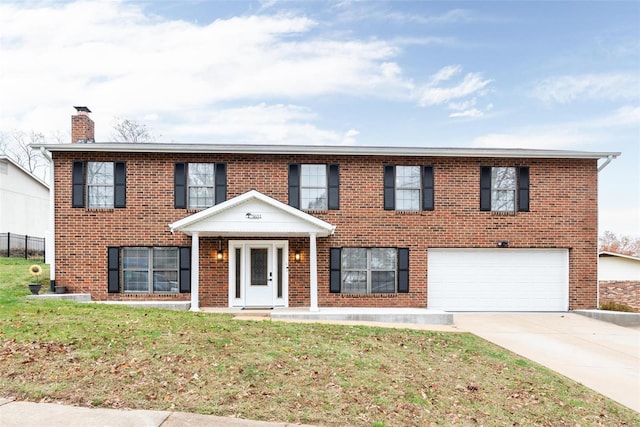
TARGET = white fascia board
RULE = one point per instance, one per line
(326, 150)
(319, 225)
(615, 254)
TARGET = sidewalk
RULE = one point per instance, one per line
(19, 414)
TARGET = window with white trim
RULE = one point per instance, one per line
(100, 185)
(313, 187)
(503, 189)
(201, 185)
(369, 270)
(150, 270)
(408, 188)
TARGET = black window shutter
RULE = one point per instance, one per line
(389, 187)
(113, 286)
(403, 270)
(120, 183)
(180, 185)
(185, 269)
(77, 177)
(334, 186)
(485, 188)
(221, 182)
(427, 188)
(294, 185)
(523, 189)
(335, 273)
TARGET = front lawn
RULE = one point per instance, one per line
(118, 357)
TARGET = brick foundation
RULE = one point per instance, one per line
(625, 292)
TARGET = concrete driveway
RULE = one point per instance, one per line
(602, 356)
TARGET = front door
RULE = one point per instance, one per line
(257, 273)
(259, 268)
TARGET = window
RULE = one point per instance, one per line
(314, 186)
(150, 269)
(504, 189)
(369, 270)
(199, 185)
(99, 185)
(408, 188)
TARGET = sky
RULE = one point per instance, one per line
(537, 74)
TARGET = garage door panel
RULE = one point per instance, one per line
(498, 279)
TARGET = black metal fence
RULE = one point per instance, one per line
(20, 246)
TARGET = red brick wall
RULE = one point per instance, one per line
(563, 195)
(625, 292)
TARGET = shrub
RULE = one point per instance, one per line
(616, 306)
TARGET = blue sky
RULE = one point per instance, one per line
(558, 75)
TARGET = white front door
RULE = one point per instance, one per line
(258, 273)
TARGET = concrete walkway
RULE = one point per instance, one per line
(602, 356)
(18, 414)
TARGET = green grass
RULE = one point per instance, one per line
(119, 357)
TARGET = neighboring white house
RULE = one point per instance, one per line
(619, 278)
(24, 201)
(618, 267)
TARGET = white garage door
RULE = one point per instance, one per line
(498, 279)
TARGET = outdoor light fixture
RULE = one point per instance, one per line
(297, 255)
(219, 253)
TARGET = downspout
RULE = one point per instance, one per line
(50, 257)
(601, 167)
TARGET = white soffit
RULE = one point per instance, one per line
(252, 214)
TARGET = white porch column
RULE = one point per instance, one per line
(313, 272)
(195, 271)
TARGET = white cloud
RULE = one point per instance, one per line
(120, 61)
(472, 84)
(472, 112)
(567, 135)
(606, 86)
(255, 124)
(350, 137)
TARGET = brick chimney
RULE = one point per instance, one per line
(82, 126)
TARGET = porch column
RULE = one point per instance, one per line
(195, 271)
(313, 272)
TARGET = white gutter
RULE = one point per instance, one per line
(609, 158)
(326, 150)
(50, 247)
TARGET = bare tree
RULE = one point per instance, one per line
(131, 131)
(22, 153)
(626, 245)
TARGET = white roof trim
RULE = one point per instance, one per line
(23, 169)
(306, 223)
(353, 150)
(608, 253)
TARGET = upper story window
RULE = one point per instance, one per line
(504, 189)
(314, 186)
(369, 270)
(149, 270)
(98, 185)
(408, 188)
(199, 185)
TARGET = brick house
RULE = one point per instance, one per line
(317, 226)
